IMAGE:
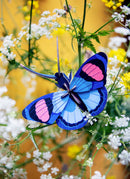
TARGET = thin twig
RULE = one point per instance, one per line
(84, 14)
(29, 42)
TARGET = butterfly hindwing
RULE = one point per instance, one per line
(46, 109)
(94, 100)
(71, 117)
(92, 74)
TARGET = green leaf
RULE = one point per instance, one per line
(89, 44)
(104, 32)
(95, 37)
(12, 65)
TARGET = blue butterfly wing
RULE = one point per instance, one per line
(94, 100)
(89, 83)
(92, 74)
(46, 109)
(71, 117)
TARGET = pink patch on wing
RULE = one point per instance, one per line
(93, 71)
(42, 110)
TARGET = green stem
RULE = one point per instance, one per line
(115, 80)
(110, 166)
(79, 54)
(34, 141)
(37, 128)
(23, 164)
(79, 41)
(3, 124)
(71, 17)
(29, 42)
(89, 144)
(22, 140)
(90, 172)
(104, 25)
(64, 143)
(84, 14)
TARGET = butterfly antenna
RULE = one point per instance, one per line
(39, 74)
(58, 61)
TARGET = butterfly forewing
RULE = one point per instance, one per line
(46, 109)
(92, 74)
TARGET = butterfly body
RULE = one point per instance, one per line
(84, 93)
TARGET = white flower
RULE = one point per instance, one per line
(70, 177)
(19, 173)
(28, 155)
(89, 162)
(11, 56)
(118, 17)
(124, 157)
(122, 30)
(45, 13)
(109, 155)
(36, 153)
(54, 170)
(3, 89)
(127, 23)
(60, 12)
(116, 42)
(44, 176)
(15, 126)
(122, 121)
(114, 141)
(126, 135)
(8, 42)
(21, 34)
(98, 175)
(47, 155)
(125, 9)
(6, 104)
(46, 166)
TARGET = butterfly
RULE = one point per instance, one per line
(84, 94)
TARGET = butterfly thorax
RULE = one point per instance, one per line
(63, 82)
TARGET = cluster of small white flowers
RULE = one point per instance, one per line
(49, 176)
(120, 133)
(60, 12)
(127, 23)
(11, 125)
(89, 162)
(19, 173)
(114, 141)
(118, 17)
(124, 157)
(109, 155)
(44, 176)
(98, 175)
(45, 25)
(125, 9)
(92, 120)
(8, 43)
(70, 177)
(41, 160)
(8, 161)
(126, 32)
(122, 30)
(126, 135)
(116, 42)
(122, 121)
